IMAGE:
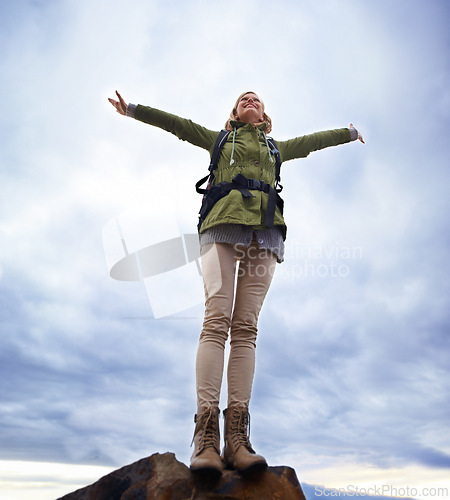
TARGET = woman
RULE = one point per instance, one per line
(235, 230)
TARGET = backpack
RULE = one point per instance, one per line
(213, 193)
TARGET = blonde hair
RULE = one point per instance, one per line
(233, 117)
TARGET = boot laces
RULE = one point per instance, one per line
(209, 430)
(240, 428)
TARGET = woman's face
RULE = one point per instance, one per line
(250, 109)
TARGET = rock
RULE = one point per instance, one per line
(163, 477)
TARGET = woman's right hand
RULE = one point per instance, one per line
(120, 105)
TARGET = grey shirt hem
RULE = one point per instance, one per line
(270, 239)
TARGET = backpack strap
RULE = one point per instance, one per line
(243, 184)
(220, 141)
(276, 153)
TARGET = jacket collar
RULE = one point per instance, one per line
(238, 124)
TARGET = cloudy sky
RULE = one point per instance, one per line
(352, 380)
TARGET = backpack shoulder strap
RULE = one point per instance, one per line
(220, 141)
(276, 153)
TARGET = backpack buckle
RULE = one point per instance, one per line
(254, 184)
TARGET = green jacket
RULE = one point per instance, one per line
(251, 158)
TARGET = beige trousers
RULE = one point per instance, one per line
(236, 281)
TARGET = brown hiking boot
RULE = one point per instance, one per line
(238, 452)
(206, 456)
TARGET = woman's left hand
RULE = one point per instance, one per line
(359, 135)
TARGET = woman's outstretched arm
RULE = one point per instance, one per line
(183, 128)
(300, 147)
